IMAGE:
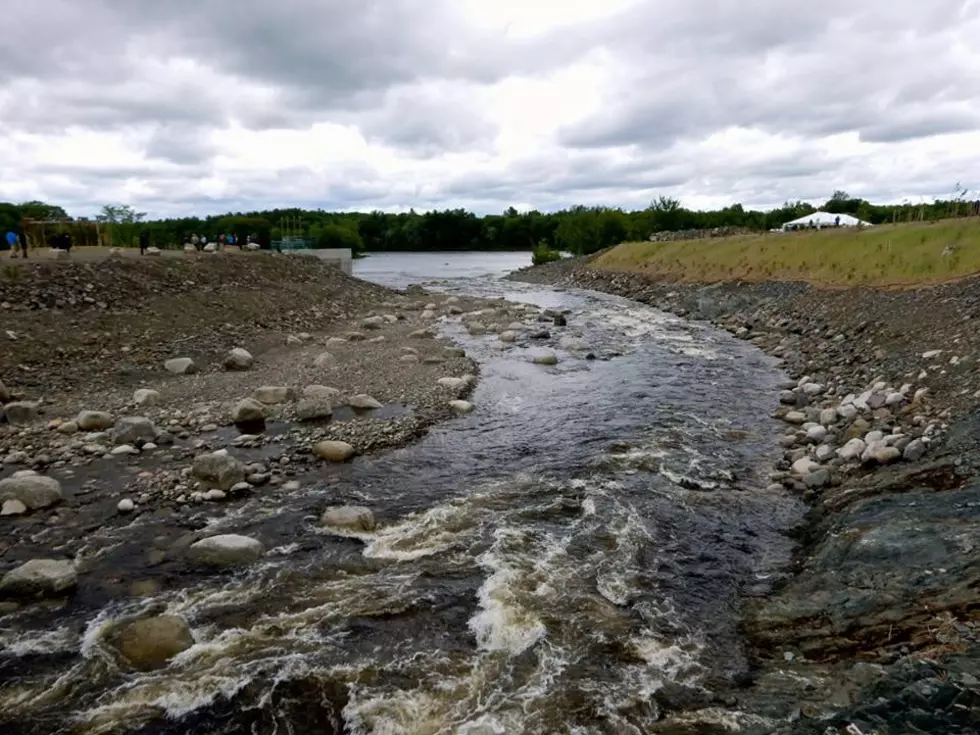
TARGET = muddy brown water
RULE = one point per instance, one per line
(565, 559)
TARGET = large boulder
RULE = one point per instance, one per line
(135, 430)
(271, 395)
(94, 420)
(249, 412)
(39, 578)
(348, 518)
(151, 642)
(33, 490)
(333, 451)
(227, 550)
(238, 359)
(21, 412)
(180, 366)
(218, 469)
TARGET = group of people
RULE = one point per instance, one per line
(200, 242)
(17, 241)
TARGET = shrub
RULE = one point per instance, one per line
(543, 254)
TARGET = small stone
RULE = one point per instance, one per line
(180, 366)
(250, 412)
(68, 427)
(271, 395)
(788, 398)
(214, 494)
(373, 322)
(94, 421)
(461, 407)
(333, 451)
(226, 550)
(854, 449)
(454, 383)
(548, 358)
(124, 449)
(314, 409)
(348, 518)
(818, 479)
(805, 466)
(146, 397)
(39, 578)
(324, 360)
(508, 336)
(414, 359)
(817, 434)
(13, 507)
(795, 417)
(238, 359)
(914, 451)
(812, 389)
(363, 401)
(240, 488)
(322, 392)
(135, 430)
(828, 417)
(20, 413)
(291, 486)
(125, 506)
(218, 469)
(33, 490)
(151, 642)
(824, 452)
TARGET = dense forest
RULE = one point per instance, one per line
(577, 230)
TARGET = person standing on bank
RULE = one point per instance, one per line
(144, 241)
(12, 242)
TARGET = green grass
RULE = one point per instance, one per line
(887, 255)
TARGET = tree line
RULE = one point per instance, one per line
(579, 230)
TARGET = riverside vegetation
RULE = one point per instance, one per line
(875, 628)
(579, 230)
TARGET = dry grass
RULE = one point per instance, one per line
(888, 255)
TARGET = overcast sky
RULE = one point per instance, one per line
(203, 106)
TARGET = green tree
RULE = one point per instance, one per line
(339, 236)
(122, 222)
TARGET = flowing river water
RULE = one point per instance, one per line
(552, 563)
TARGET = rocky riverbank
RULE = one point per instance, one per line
(876, 628)
(145, 400)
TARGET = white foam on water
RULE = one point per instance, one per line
(424, 534)
(27, 643)
(504, 623)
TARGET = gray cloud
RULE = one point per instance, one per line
(170, 79)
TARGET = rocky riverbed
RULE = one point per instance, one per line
(129, 424)
(876, 628)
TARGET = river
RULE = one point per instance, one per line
(566, 559)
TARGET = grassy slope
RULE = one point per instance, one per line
(888, 255)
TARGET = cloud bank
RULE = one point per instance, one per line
(201, 106)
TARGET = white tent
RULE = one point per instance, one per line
(825, 219)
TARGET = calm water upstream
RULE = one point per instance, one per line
(547, 564)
